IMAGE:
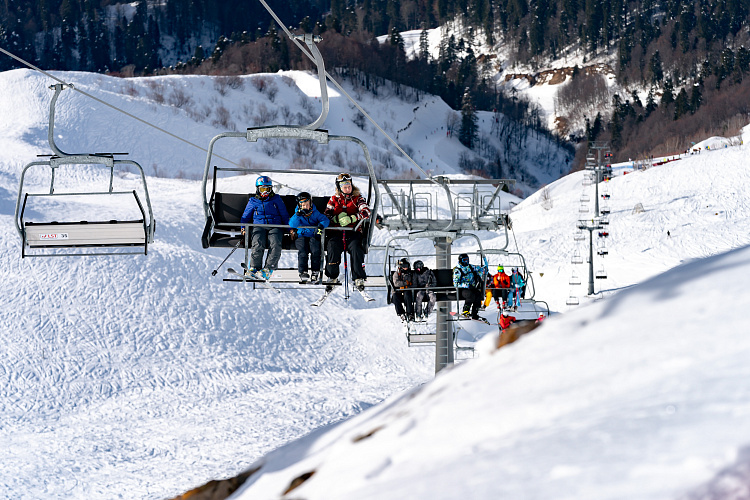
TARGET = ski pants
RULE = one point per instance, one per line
(431, 299)
(403, 301)
(472, 299)
(308, 246)
(260, 236)
(515, 297)
(335, 247)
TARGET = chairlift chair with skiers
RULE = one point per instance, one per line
(223, 209)
(117, 222)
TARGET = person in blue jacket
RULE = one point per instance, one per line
(307, 239)
(469, 279)
(517, 286)
(265, 207)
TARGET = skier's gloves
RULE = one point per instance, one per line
(293, 234)
(319, 231)
(345, 219)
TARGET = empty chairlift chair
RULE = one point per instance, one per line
(83, 220)
(601, 274)
(575, 279)
(576, 259)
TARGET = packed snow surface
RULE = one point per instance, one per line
(145, 376)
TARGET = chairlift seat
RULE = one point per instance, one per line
(85, 234)
(422, 338)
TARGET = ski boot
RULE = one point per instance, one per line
(303, 277)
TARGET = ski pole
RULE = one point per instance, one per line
(213, 273)
(346, 274)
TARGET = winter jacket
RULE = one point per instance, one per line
(505, 321)
(353, 204)
(501, 280)
(425, 279)
(314, 219)
(402, 279)
(269, 211)
(469, 276)
(517, 280)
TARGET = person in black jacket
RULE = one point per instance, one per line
(424, 278)
(403, 298)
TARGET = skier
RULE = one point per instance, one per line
(403, 298)
(307, 239)
(505, 321)
(265, 207)
(468, 279)
(345, 209)
(540, 318)
(425, 279)
(502, 286)
(516, 289)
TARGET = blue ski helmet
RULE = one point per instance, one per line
(463, 259)
(263, 180)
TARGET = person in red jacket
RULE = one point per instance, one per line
(346, 208)
(505, 320)
(502, 286)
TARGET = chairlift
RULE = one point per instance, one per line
(603, 221)
(587, 181)
(603, 234)
(604, 210)
(585, 198)
(223, 210)
(106, 229)
(579, 236)
(583, 208)
(602, 251)
(576, 259)
(572, 301)
(600, 274)
(575, 279)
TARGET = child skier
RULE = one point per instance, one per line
(307, 239)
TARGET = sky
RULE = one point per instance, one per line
(149, 376)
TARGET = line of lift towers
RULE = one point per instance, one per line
(598, 172)
(438, 209)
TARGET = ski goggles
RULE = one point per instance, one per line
(345, 183)
(265, 189)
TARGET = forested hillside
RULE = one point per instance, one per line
(680, 65)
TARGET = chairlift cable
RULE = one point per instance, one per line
(353, 101)
(145, 122)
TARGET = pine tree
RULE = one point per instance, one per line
(681, 104)
(667, 97)
(468, 133)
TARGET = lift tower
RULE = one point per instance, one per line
(443, 210)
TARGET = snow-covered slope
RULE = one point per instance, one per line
(640, 396)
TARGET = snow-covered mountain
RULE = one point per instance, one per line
(146, 375)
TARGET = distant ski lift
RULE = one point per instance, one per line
(601, 274)
(604, 210)
(572, 301)
(603, 234)
(585, 198)
(579, 236)
(576, 259)
(575, 279)
(587, 181)
(604, 221)
(583, 208)
(602, 251)
(101, 227)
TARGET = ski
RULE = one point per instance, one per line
(320, 301)
(478, 319)
(254, 279)
(364, 295)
